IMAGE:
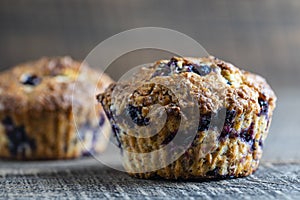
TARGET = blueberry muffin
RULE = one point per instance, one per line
(37, 110)
(222, 115)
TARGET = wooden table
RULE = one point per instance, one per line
(87, 178)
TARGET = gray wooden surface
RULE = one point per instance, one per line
(88, 179)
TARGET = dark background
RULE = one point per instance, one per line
(260, 36)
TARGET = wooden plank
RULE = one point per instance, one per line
(93, 180)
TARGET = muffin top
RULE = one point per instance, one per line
(49, 84)
(213, 83)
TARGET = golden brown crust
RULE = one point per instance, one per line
(36, 105)
(232, 152)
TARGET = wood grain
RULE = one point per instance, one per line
(93, 180)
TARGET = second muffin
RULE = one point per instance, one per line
(37, 115)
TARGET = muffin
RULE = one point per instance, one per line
(223, 115)
(38, 104)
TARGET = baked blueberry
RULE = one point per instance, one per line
(19, 142)
(248, 134)
(172, 67)
(30, 79)
(204, 122)
(264, 106)
(101, 119)
(201, 70)
(135, 114)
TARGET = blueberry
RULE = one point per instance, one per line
(172, 67)
(253, 146)
(245, 136)
(95, 136)
(204, 122)
(116, 131)
(230, 115)
(225, 132)
(228, 82)
(87, 153)
(102, 119)
(228, 129)
(87, 127)
(136, 115)
(173, 62)
(214, 172)
(18, 139)
(29, 79)
(261, 143)
(166, 69)
(264, 106)
(201, 70)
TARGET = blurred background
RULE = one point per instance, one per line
(259, 36)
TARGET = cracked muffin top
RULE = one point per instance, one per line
(214, 83)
